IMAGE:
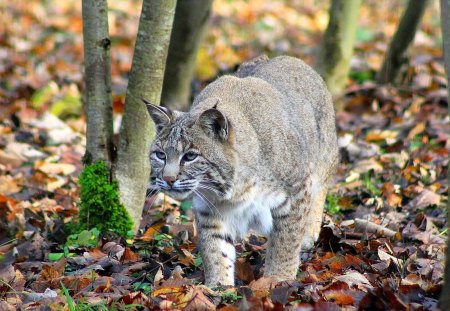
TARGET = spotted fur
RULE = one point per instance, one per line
(255, 151)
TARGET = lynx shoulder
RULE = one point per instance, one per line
(256, 151)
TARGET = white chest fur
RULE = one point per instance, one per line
(254, 212)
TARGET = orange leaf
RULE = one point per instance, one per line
(50, 272)
(339, 297)
(152, 231)
(244, 270)
(129, 255)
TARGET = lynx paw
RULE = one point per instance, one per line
(308, 241)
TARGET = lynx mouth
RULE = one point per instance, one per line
(178, 194)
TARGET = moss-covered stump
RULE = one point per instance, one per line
(100, 206)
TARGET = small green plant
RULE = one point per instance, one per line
(198, 261)
(184, 219)
(99, 205)
(163, 240)
(416, 143)
(370, 185)
(229, 297)
(70, 302)
(361, 76)
(332, 204)
(84, 238)
(144, 287)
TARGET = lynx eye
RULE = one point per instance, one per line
(160, 155)
(190, 156)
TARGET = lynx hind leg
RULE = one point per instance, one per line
(289, 221)
(314, 221)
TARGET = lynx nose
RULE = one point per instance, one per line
(169, 180)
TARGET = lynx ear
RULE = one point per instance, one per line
(162, 116)
(214, 123)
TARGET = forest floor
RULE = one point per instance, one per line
(382, 243)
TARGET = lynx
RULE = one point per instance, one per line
(256, 151)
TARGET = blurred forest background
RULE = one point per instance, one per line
(42, 42)
(385, 230)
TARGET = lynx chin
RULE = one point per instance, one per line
(256, 151)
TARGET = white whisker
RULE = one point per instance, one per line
(205, 199)
(155, 199)
(217, 192)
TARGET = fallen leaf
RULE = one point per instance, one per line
(389, 191)
(129, 255)
(339, 297)
(8, 185)
(355, 278)
(52, 271)
(244, 270)
(56, 168)
(424, 199)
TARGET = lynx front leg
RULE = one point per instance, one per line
(217, 249)
(286, 237)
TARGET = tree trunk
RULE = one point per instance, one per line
(191, 17)
(445, 25)
(337, 45)
(132, 168)
(97, 61)
(402, 39)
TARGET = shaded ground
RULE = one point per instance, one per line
(383, 238)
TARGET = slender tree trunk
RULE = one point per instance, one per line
(445, 25)
(337, 45)
(132, 169)
(402, 39)
(98, 82)
(191, 17)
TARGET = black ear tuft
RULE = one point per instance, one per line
(162, 116)
(214, 123)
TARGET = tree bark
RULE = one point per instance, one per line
(97, 61)
(445, 25)
(191, 17)
(132, 169)
(337, 45)
(402, 39)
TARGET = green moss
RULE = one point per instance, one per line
(100, 206)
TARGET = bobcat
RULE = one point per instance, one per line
(256, 151)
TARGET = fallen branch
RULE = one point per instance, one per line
(362, 225)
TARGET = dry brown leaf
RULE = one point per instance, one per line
(56, 168)
(424, 199)
(152, 231)
(416, 130)
(76, 283)
(386, 257)
(52, 271)
(129, 255)
(389, 192)
(102, 284)
(378, 135)
(244, 270)
(187, 297)
(186, 258)
(366, 165)
(96, 254)
(340, 297)
(354, 278)
(8, 185)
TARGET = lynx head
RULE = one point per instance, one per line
(192, 153)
